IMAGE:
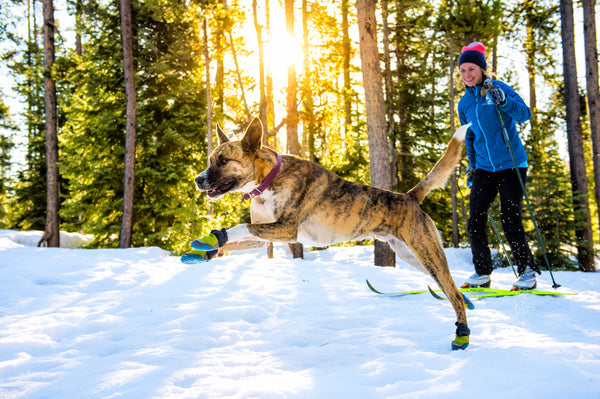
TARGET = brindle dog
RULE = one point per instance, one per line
(308, 204)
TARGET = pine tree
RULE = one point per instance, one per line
(130, 123)
(375, 109)
(6, 146)
(579, 179)
(171, 132)
(593, 90)
(26, 65)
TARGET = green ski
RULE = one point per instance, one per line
(394, 293)
(403, 293)
(482, 292)
(492, 292)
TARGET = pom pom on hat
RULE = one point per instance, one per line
(475, 54)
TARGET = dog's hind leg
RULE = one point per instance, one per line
(425, 244)
(404, 252)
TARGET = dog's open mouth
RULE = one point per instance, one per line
(223, 189)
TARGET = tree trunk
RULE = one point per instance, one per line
(389, 96)
(379, 153)
(346, 48)
(237, 70)
(579, 180)
(209, 100)
(292, 107)
(292, 88)
(593, 91)
(307, 97)
(51, 236)
(209, 107)
(78, 16)
(130, 129)
(269, 82)
(530, 52)
(262, 102)
(217, 90)
(453, 177)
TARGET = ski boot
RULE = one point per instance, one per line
(526, 281)
(477, 281)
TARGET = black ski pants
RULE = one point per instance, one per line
(486, 186)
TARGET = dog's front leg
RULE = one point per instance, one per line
(241, 233)
(278, 231)
(224, 240)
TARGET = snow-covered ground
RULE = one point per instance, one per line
(137, 323)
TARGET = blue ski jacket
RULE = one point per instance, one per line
(486, 146)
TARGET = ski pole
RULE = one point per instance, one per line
(504, 252)
(490, 86)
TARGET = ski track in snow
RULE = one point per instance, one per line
(137, 323)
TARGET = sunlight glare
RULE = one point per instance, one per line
(282, 51)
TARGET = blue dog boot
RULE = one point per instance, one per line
(194, 257)
(461, 341)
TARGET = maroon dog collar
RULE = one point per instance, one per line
(265, 184)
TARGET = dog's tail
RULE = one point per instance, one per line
(443, 168)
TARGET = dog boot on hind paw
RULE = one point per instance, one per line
(461, 341)
(477, 281)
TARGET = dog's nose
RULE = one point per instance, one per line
(199, 180)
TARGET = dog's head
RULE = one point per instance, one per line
(231, 164)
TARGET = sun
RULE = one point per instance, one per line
(281, 51)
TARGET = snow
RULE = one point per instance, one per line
(137, 323)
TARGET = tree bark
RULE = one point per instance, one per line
(379, 153)
(208, 93)
(307, 95)
(269, 84)
(292, 88)
(593, 91)
(579, 180)
(237, 70)
(130, 127)
(346, 48)
(262, 102)
(453, 177)
(78, 16)
(292, 108)
(51, 236)
(389, 96)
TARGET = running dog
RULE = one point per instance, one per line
(296, 200)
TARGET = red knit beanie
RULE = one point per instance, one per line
(473, 53)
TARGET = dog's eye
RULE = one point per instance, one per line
(223, 161)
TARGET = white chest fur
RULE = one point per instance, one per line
(262, 209)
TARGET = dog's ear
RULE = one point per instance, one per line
(252, 140)
(222, 137)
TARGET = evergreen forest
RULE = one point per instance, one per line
(140, 86)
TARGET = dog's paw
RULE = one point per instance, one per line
(191, 258)
(216, 239)
(461, 340)
(460, 343)
(201, 245)
(197, 256)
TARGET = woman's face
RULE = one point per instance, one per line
(471, 74)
